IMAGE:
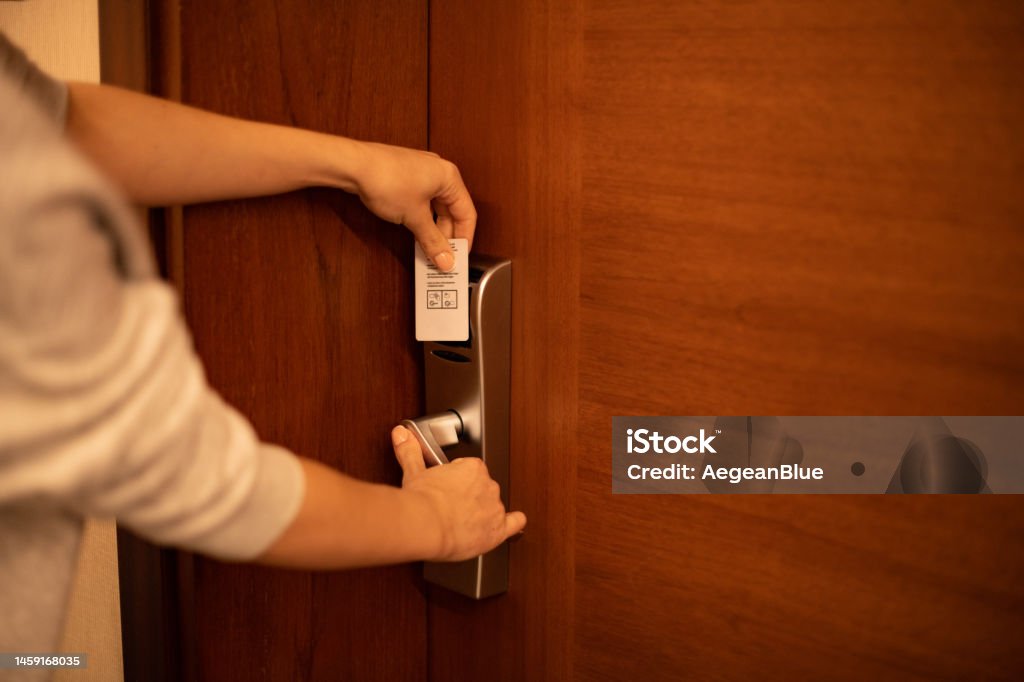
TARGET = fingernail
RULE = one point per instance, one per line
(399, 435)
(445, 261)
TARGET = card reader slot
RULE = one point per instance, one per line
(449, 356)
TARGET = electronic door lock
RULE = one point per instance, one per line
(467, 403)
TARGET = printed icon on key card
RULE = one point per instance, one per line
(443, 299)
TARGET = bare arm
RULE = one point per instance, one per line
(164, 153)
(160, 152)
(450, 512)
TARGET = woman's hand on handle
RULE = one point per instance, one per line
(465, 499)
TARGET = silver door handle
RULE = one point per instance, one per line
(435, 432)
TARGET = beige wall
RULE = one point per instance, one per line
(62, 36)
(93, 624)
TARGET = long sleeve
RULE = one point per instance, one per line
(49, 95)
(104, 407)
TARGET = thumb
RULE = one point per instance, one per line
(434, 244)
(407, 452)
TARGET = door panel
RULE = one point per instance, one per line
(745, 208)
(820, 202)
(300, 309)
(495, 69)
(742, 208)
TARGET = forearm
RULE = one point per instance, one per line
(164, 153)
(346, 523)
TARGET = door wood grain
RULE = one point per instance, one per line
(497, 111)
(299, 309)
(822, 210)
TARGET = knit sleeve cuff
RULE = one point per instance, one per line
(271, 506)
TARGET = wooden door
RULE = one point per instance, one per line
(724, 208)
(299, 309)
(742, 208)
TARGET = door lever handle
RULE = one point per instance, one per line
(436, 432)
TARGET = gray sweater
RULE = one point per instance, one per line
(104, 408)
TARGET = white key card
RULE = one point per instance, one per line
(442, 298)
